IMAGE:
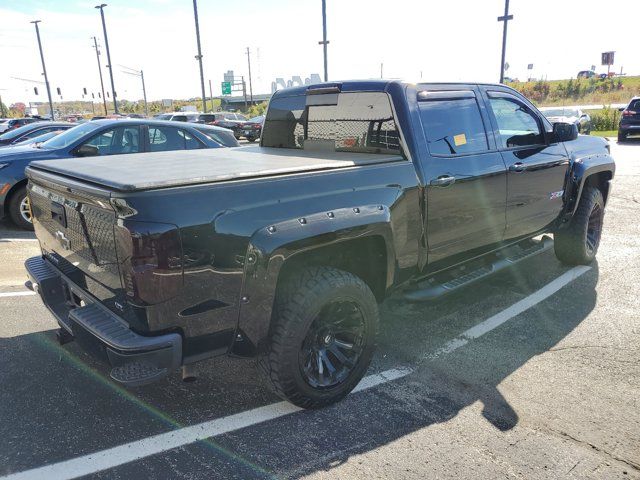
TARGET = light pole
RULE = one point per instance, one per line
(199, 56)
(505, 19)
(104, 99)
(324, 41)
(106, 45)
(250, 87)
(144, 90)
(44, 69)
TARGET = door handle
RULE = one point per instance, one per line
(517, 167)
(443, 181)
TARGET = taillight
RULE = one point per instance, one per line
(256, 126)
(152, 270)
(628, 113)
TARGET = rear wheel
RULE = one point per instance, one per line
(578, 242)
(322, 338)
(20, 210)
(621, 136)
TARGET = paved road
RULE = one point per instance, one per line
(533, 374)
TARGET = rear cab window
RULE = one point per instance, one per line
(360, 122)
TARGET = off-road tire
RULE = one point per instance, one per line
(622, 137)
(14, 209)
(297, 304)
(570, 242)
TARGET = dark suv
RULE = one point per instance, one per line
(232, 121)
(630, 120)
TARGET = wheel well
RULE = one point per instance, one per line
(11, 193)
(363, 257)
(600, 181)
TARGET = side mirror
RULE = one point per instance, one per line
(87, 151)
(621, 109)
(564, 132)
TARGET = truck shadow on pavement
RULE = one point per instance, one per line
(61, 394)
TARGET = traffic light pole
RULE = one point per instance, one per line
(44, 70)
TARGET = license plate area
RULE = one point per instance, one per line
(58, 214)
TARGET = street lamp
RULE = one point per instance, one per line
(106, 44)
(324, 41)
(44, 69)
(199, 56)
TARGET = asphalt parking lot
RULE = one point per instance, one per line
(533, 374)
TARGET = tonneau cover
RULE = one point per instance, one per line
(144, 171)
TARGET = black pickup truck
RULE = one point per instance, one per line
(283, 251)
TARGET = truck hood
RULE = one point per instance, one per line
(586, 145)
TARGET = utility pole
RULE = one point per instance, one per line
(324, 41)
(211, 94)
(104, 99)
(44, 69)
(199, 56)
(381, 70)
(244, 92)
(106, 44)
(250, 86)
(136, 73)
(505, 19)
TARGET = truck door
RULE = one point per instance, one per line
(464, 173)
(536, 168)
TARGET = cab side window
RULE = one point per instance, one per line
(518, 126)
(163, 139)
(453, 126)
(115, 141)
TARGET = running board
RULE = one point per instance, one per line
(427, 290)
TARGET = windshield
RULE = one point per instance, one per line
(258, 119)
(561, 112)
(70, 136)
(40, 138)
(17, 132)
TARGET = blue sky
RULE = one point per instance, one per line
(452, 40)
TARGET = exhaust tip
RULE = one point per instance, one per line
(188, 374)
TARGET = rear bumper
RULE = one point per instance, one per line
(135, 359)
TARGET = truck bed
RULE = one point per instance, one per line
(145, 171)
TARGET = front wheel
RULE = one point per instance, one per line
(578, 242)
(20, 209)
(322, 338)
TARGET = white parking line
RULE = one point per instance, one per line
(146, 447)
(508, 313)
(139, 449)
(17, 294)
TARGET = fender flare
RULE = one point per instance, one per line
(581, 169)
(271, 246)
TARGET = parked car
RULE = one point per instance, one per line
(586, 74)
(31, 130)
(572, 116)
(98, 138)
(629, 120)
(283, 251)
(231, 120)
(39, 139)
(178, 116)
(13, 123)
(4, 124)
(252, 128)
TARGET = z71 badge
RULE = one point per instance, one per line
(553, 195)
